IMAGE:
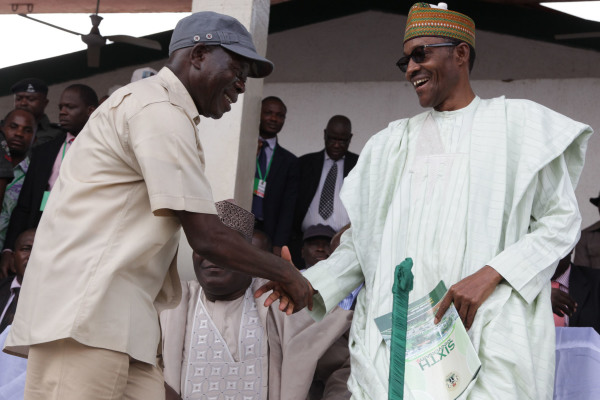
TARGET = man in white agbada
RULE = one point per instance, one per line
(479, 193)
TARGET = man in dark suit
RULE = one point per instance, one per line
(276, 177)
(77, 103)
(321, 177)
(584, 287)
(576, 295)
(10, 287)
(587, 251)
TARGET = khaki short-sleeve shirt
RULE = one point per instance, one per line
(104, 258)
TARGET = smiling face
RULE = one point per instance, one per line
(215, 79)
(272, 118)
(19, 128)
(438, 80)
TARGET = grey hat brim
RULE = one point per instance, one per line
(259, 66)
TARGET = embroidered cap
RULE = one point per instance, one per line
(236, 218)
(217, 29)
(430, 20)
(30, 85)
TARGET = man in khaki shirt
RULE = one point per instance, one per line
(104, 261)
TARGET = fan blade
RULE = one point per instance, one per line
(583, 35)
(46, 23)
(93, 56)
(151, 44)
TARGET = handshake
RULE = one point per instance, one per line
(294, 294)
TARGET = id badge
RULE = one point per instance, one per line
(260, 186)
(44, 200)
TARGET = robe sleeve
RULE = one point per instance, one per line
(528, 264)
(335, 277)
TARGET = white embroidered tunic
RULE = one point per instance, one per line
(213, 370)
(508, 203)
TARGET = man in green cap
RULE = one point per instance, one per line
(480, 194)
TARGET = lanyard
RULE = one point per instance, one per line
(15, 181)
(260, 176)
(64, 150)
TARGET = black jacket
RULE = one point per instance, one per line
(27, 212)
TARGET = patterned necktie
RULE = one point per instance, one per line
(257, 202)
(326, 202)
(262, 158)
(10, 311)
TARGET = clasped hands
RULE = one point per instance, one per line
(293, 295)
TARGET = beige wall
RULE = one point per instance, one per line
(372, 105)
(346, 66)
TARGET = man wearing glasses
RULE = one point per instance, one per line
(321, 177)
(480, 194)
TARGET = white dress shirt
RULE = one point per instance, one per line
(339, 218)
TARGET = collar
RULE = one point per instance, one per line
(14, 285)
(446, 114)
(23, 165)
(272, 141)
(178, 94)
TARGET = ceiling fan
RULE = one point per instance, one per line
(95, 40)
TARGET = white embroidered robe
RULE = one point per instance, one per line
(519, 215)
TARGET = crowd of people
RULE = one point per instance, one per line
(285, 296)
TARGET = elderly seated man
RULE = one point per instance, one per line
(222, 340)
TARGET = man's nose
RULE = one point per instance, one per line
(240, 86)
(411, 68)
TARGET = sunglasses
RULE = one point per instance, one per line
(418, 54)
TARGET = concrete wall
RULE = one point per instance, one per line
(347, 66)
(372, 105)
(365, 47)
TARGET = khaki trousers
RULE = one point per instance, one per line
(68, 370)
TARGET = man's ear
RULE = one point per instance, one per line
(198, 54)
(462, 52)
(90, 110)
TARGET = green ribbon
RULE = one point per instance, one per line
(403, 284)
